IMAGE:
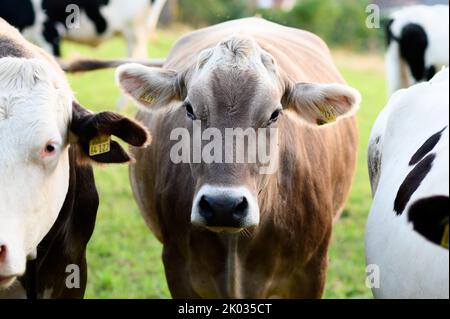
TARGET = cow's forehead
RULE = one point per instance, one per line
(32, 98)
(234, 75)
(242, 93)
(42, 101)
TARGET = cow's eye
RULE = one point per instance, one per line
(49, 149)
(189, 110)
(275, 115)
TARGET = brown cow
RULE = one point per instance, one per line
(229, 231)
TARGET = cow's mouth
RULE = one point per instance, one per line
(225, 230)
(245, 232)
(7, 281)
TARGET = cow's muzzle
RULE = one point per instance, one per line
(225, 209)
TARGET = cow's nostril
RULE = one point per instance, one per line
(241, 209)
(206, 209)
(3, 251)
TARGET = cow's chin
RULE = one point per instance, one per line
(6, 281)
(246, 231)
(225, 230)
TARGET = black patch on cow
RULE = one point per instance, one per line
(426, 148)
(19, 13)
(388, 32)
(430, 217)
(52, 36)
(413, 43)
(431, 72)
(412, 183)
(31, 280)
(56, 11)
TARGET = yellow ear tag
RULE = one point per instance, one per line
(327, 113)
(100, 145)
(444, 242)
(147, 97)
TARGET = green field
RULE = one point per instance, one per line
(123, 256)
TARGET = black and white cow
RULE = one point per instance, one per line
(46, 22)
(48, 198)
(418, 45)
(407, 229)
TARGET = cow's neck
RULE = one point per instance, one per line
(231, 285)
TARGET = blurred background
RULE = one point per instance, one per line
(124, 258)
(338, 22)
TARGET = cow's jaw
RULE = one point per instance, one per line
(225, 209)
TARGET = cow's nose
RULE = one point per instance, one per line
(3, 252)
(223, 211)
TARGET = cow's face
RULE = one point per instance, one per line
(235, 86)
(36, 113)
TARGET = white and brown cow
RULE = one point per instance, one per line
(418, 41)
(48, 199)
(47, 22)
(228, 230)
(407, 229)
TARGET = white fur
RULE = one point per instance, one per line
(435, 21)
(410, 265)
(35, 108)
(133, 19)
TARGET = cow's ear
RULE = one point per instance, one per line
(91, 133)
(320, 104)
(150, 87)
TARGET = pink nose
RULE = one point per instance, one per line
(3, 251)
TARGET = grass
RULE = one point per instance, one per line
(123, 256)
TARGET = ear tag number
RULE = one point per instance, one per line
(444, 242)
(327, 113)
(99, 145)
(147, 97)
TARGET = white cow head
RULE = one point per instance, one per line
(38, 119)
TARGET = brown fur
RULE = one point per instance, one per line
(286, 255)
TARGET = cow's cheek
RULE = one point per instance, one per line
(51, 193)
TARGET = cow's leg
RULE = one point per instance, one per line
(136, 38)
(156, 10)
(139, 46)
(136, 35)
(130, 38)
(396, 69)
(177, 275)
(52, 37)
